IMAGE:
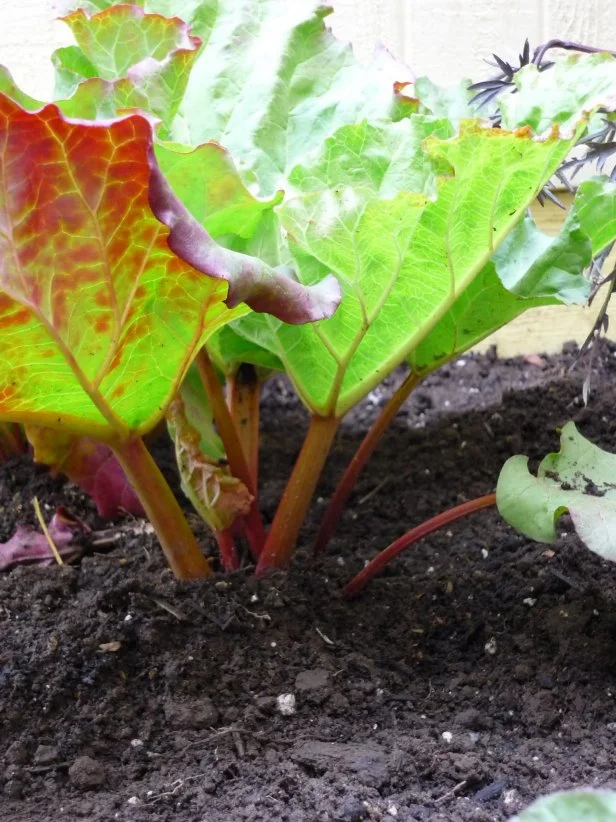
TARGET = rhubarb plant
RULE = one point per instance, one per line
(208, 182)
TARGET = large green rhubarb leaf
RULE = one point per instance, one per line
(579, 479)
(99, 318)
(402, 259)
(270, 82)
(575, 86)
(530, 269)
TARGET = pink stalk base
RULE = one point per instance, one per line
(226, 548)
(411, 537)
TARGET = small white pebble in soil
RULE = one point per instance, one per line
(190, 658)
(485, 553)
(286, 704)
(431, 569)
(448, 533)
(511, 800)
(254, 598)
(392, 810)
(530, 601)
(490, 646)
(461, 363)
(128, 618)
(133, 800)
(447, 736)
(136, 743)
(340, 561)
(611, 726)
(272, 644)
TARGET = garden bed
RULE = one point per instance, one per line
(477, 673)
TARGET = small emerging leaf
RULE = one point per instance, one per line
(580, 479)
(218, 497)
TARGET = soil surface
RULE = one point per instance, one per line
(476, 673)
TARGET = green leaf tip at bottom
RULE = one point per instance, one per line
(579, 479)
(572, 806)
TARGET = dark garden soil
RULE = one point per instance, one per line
(478, 672)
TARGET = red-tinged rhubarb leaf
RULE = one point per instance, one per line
(217, 496)
(89, 464)
(30, 547)
(99, 319)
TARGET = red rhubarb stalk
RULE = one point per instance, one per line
(411, 537)
(233, 448)
(178, 542)
(296, 499)
(244, 393)
(226, 548)
(332, 516)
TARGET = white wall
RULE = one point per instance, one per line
(445, 39)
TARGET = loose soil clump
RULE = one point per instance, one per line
(476, 673)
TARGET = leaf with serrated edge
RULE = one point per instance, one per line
(144, 59)
(288, 85)
(402, 262)
(580, 479)
(99, 319)
(573, 88)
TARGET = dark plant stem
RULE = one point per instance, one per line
(233, 448)
(568, 45)
(332, 516)
(228, 553)
(296, 499)
(411, 537)
(244, 394)
(178, 542)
